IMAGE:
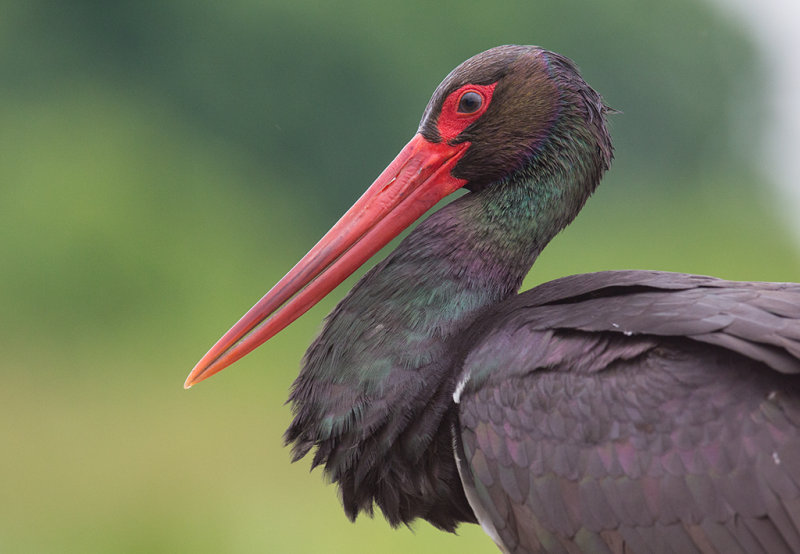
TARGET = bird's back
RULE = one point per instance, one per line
(636, 412)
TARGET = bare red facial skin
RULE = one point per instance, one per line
(451, 122)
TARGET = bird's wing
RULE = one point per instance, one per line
(643, 411)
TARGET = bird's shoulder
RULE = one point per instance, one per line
(619, 410)
(586, 322)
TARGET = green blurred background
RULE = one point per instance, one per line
(163, 163)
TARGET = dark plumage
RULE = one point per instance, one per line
(647, 409)
(621, 411)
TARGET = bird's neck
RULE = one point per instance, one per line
(377, 384)
(375, 394)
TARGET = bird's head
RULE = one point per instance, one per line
(513, 106)
(508, 111)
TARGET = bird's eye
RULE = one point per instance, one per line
(462, 107)
(470, 102)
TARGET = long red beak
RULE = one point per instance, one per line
(416, 180)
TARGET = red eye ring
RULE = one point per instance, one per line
(454, 118)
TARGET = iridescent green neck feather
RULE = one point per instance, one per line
(375, 392)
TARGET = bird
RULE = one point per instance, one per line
(610, 412)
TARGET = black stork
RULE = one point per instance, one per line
(622, 411)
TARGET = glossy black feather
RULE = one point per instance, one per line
(636, 412)
(374, 395)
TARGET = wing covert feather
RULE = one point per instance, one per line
(661, 415)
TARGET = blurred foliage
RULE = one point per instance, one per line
(164, 162)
